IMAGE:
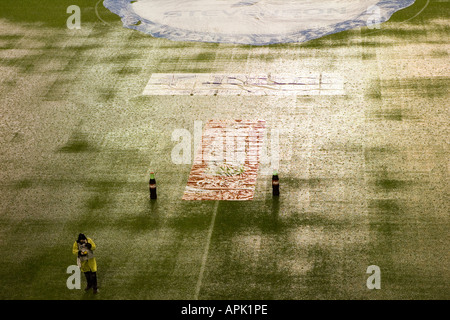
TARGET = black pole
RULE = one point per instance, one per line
(152, 186)
(275, 184)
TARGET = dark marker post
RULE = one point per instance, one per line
(275, 184)
(152, 186)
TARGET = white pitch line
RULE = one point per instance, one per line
(98, 16)
(205, 254)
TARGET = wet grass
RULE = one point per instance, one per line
(128, 71)
(79, 48)
(240, 56)
(431, 87)
(107, 94)
(10, 37)
(26, 64)
(439, 53)
(390, 184)
(378, 152)
(269, 57)
(97, 202)
(205, 57)
(188, 222)
(23, 184)
(385, 219)
(141, 223)
(368, 56)
(392, 115)
(76, 145)
(436, 87)
(403, 33)
(8, 45)
(160, 244)
(386, 206)
(302, 183)
(176, 69)
(52, 13)
(122, 58)
(78, 142)
(374, 91)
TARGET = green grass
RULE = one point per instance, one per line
(52, 13)
(363, 177)
(78, 142)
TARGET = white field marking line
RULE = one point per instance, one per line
(205, 254)
(420, 12)
(98, 16)
(409, 19)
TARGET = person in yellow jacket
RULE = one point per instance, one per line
(83, 248)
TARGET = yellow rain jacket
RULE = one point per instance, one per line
(90, 264)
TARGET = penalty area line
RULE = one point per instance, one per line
(205, 254)
(98, 16)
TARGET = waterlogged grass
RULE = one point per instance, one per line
(316, 241)
(440, 53)
(78, 142)
(52, 13)
(389, 184)
(374, 91)
(205, 56)
(124, 71)
(368, 56)
(23, 184)
(393, 115)
(432, 87)
(122, 58)
(435, 87)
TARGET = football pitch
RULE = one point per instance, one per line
(364, 171)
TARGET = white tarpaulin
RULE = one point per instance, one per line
(205, 84)
(251, 21)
